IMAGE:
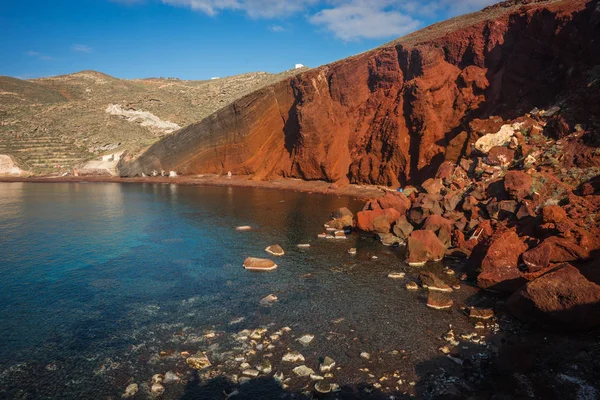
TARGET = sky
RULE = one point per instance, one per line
(200, 39)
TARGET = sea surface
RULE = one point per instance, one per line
(105, 284)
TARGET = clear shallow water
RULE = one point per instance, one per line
(98, 279)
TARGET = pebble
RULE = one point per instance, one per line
(244, 365)
(352, 251)
(412, 286)
(303, 370)
(316, 377)
(171, 377)
(268, 300)
(303, 245)
(374, 257)
(130, 391)
(157, 378)
(243, 228)
(275, 250)
(365, 355)
(251, 373)
(306, 339)
(157, 389)
(479, 325)
(396, 275)
(327, 364)
(445, 349)
(265, 367)
(323, 387)
(198, 362)
(293, 357)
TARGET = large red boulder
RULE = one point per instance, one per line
(379, 221)
(518, 184)
(423, 246)
(395, 200)
(500, 266)
(499, 155)
(553, 250)
(562, 299)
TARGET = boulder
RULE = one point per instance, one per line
(402, 228)
(481, 313)
(395, 200)
(500, 265)
(259, 264)
(379, 221)
(553, 214)
(502, 209)
(562, 299)
(423, 246)
(432, 185)
(442, 227)
(198, 362)
(553, 250)
(518, 184)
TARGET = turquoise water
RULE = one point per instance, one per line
(98, 279)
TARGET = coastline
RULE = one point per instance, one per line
(362, 192)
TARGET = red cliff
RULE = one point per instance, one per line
(392, 115)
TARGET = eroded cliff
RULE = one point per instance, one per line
(392, 115)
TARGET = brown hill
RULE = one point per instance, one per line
(392, 115)
(51, 125)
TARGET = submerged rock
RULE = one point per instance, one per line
(293, 357)
(432, 282)
(259, 264)
(198, 362)
(306, 339)
(267, 300)
(157, 390)
(327, 364)
(130, 391)
(275, 250)
(323, 387)
(303, 370)
(171, 377)
(481, 313)
(438, 301)
(396, 275)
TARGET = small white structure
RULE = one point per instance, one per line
(214, 78)
(172, 174)
(298, 66)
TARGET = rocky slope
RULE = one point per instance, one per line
(392, 115)
(52, 125)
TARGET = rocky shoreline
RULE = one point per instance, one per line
(519, 206)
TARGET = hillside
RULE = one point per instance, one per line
(389, 116)
(51, 125)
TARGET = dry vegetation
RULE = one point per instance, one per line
(51, 125)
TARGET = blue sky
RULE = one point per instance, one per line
(199, 39)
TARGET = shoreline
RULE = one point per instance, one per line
(362, 192)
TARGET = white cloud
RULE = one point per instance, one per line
(82, 48)
(39, 55)
(365, 19)
(346, 19)
(253, 8)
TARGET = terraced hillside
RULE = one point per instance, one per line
(52, 125)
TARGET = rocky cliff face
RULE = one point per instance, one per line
(392, 115)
